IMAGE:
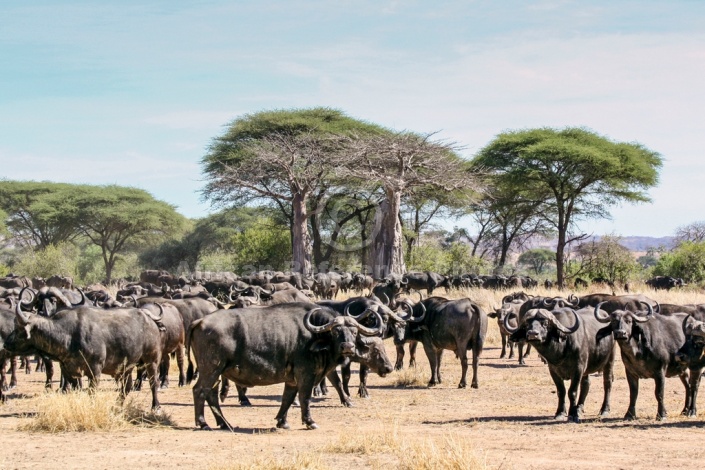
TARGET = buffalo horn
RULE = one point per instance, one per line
(598, 316)
(638, 317)
(574, 300)
(562, 327)
(510, 329)
(507, 299)
(317, 329)
(364, 330)
(82, 301)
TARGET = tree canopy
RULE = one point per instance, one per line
(577, 173)
(280, 157)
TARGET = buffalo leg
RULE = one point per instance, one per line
(152, 370)
(504, 347)
(13, 372)
(49, 374)
(180, 364)
(412, 353)
(463, 354)
(338, 386)
(633, 381)
(3, 371)
(362, 388)
(242, 395)
(164, 371)
(576, 409)
(305, 390)
(432, 355)
(346, 374)
(693, 386)
(607, 380)
(476, 353)
(659, 389)
(205, 390)
(287, 399)
(560, 391)
(225, 389)
(399, 365)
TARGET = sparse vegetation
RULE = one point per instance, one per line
(81, 411)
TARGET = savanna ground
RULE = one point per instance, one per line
(507, 423)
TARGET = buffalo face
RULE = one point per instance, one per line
(371, 352)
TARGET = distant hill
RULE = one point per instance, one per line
(632, 243)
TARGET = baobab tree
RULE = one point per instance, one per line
(401, 162)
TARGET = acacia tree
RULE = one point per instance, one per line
(537, 259)
(693, 232)
(280, 157)
(577, 173)
(401, 162)
(607, 259)
(119, 219)
(37, 212)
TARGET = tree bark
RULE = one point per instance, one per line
(386, 250)
(301, 246)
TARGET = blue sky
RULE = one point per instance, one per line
(132, 92)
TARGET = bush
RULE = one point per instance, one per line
(687, 260)
(61, 259)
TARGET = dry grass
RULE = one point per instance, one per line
(453, 452)
(386, 440)
(81, 411)
(300, 461)
(412, 377)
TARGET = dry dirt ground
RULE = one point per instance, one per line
(507, 423)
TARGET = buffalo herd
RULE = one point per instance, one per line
(273, 327)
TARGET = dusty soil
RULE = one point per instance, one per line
(508, 422)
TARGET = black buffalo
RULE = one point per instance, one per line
(297, 344)
(511, 304)
(573, 344)
(89, 341)
(455, 325)
(649, 344)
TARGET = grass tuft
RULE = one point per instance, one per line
(452, 453)
(300, 461)
(82, 411)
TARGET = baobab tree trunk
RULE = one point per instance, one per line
(301, 243)
(386, 250)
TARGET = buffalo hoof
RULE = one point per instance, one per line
(501, 356)
(347, 404)
(432, 383)
(4, 388)
(205, 427)
(574, 419)
(281, 424)
(629, 416)
(163, 386)
(475, 385)
(522, 362)
(245, 402)
(311, 425)
(561, 417)
(604, 414)
(296, 402)
(463, 385)
(661, 417)
(362, 393)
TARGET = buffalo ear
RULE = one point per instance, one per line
(318, 346)
(493, 314)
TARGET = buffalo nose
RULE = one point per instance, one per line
(620, 334)
(531, 334)
(347, 349)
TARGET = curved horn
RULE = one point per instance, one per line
(562, 327)
(507, 299)
(394, 316)
(82, 301)
(364, 330)
(60, 296)
(420, 318)
(134, 299)
(420, 295)
(317, 329)
(386, 302)
(266, 292)
(347, 313)
(510, 329)
(685, 323)
(644, 318)
(549, 303)
(598, 315)
(574, 300)
(31, 298)
(21, 318)
(403, 281)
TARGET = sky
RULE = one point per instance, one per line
(132, 92)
